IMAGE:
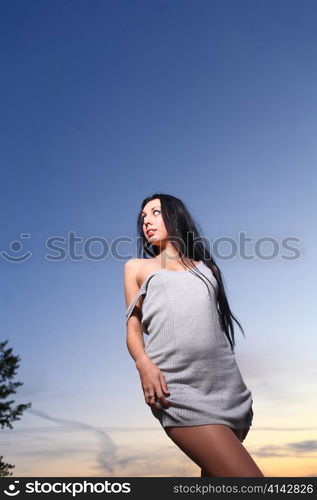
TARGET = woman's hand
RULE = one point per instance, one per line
(153, 383)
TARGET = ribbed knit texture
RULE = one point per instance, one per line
(186, 342)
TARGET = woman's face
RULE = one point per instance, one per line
(152, 219)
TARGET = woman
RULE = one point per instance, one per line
(187, 369)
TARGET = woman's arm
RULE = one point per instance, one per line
(152, 378)
(134, 339)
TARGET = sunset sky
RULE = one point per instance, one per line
(104, 103)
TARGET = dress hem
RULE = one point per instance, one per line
(205, 422)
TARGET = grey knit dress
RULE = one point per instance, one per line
(186, 342)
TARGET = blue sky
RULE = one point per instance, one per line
(102, 104)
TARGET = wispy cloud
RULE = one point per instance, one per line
(303, 446)
(270, 451)
(69, 447)
(106, 456)
(288, 449)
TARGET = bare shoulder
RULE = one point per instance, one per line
(132, 270)
(138, 269)
(131, 265)
(135, 273)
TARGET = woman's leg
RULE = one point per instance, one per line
(241, 435)
(216, 449)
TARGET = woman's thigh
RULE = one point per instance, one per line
(216, 449)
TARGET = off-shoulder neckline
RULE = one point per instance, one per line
(172, 271)
(163, 270)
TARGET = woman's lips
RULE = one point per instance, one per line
(150, 232)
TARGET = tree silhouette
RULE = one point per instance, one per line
(8, 367)
(4, 468)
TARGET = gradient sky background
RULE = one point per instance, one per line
(102, 104)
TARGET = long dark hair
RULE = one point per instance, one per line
(183, 231)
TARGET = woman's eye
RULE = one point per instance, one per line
(156, 210)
